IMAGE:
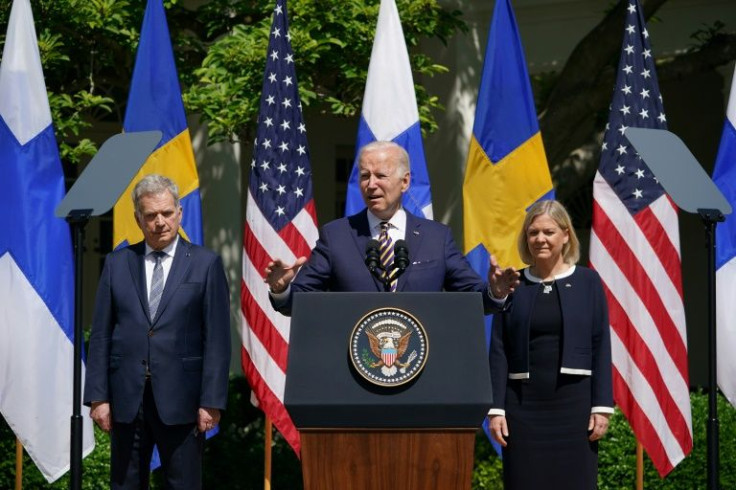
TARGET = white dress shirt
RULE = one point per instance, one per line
(396, 227)
(166, 261)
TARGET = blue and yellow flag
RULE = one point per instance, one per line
(155, 103)
(507, 170)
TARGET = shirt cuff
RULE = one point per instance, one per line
(606, 410)
(282, 296)
(499, 301)
(497, 411)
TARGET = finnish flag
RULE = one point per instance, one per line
(390, 113)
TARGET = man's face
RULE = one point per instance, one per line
(381, 182)
(159, 219)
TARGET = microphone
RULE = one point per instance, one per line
(401, 257)
(373, 256)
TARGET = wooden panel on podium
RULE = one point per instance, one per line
(378, 459)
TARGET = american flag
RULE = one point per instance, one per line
(280, 223)
(635, 246)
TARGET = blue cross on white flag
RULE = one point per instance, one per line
(724, 175)
(36, 269)
(390, 112)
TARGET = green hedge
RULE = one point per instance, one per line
(96, 465)
(617, 455)
(234, 458)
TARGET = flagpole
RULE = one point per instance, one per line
(710, 217)
(267, 455)
(639, 466)
(78, 219)
(18, 464)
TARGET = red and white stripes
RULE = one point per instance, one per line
(638, 258)
(265, 333)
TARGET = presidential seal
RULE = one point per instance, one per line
(389, 347)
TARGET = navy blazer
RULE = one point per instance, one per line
(337, 262)
(187, 347)
(586, 342)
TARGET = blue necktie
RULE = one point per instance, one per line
(157, 284)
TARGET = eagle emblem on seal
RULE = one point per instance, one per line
(388, 347)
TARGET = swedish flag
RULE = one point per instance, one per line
(507, 168)
(154, 103)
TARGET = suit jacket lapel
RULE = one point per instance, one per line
(179, 267)
(361, 236)
(413, 238)
(136, 263)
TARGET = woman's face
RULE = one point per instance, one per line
(545, 239)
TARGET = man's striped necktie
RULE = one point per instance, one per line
(387, 256)
(157, 284)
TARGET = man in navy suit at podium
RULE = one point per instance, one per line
(159, 352)
(338, 260)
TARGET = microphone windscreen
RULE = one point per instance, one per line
(372, 244)
(373, 255)
(401, 254)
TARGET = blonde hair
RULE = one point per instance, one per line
(556, 211)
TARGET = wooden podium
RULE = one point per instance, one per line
(381, 459)
(357, 435)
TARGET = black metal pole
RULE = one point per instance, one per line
(710, 218)
(78, 220)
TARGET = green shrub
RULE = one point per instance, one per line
(488, 469)
(617, 453)
(234, 458)
(96, 466)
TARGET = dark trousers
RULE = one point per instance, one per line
(180, 449)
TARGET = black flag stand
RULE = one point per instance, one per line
(77, 219)
(684, 179)
(710, 217)
(94, 193)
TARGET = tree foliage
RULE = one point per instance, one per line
(88, 51)
(80, 42)
(234, 458)
(332, 43)
(573, 103)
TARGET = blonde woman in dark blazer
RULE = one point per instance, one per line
(551, 361)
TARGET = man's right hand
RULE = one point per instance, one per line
(502, 281)
(280, 275)
(102, 415)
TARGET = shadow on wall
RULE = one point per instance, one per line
(223, 215)
(447, 148)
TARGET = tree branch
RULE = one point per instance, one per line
(579, 100)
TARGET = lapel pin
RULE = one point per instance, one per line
(568, 285)
(415, 232)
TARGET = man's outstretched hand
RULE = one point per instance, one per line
(280, 275)
(502, 281)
